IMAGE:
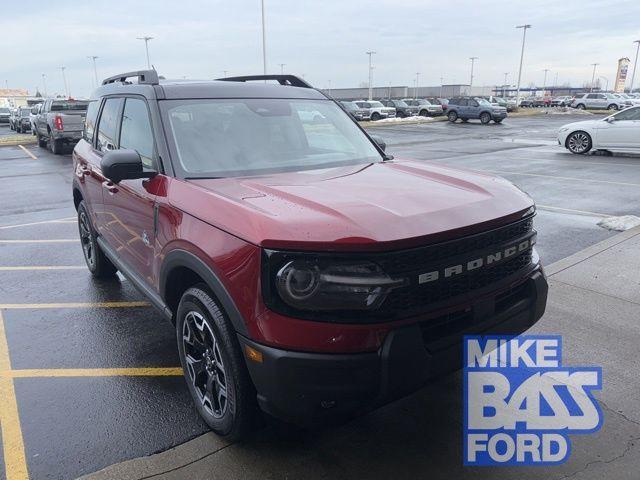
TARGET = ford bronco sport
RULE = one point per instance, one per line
(306, 271)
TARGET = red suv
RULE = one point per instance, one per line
(306, 271)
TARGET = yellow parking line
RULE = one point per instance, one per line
(42, 267)
(94, 372)
(28, 152)
(53, 240)
(59, 220)
(36, 306)
(15, 462)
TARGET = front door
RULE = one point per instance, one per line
(623, 133)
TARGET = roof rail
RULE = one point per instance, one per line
(145, 77)
(290, 80)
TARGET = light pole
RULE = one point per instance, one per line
(95, 70)
(635, 65)
(555, 82)
(524, 37)
(44, 84)
(504, 85)
(415, 92)
(282, 65)
(473, 60)
(264, 42)
(606, 84)
(146, 47)
(224, 73)
(441, 85)
(370, 53)
(544, 83)
(329, 87)
(64, 80)
(593, 76)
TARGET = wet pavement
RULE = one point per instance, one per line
(96, 379)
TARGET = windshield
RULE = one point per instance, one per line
(349, 106)
(424, 102)
(243, 137)
(24, 112)
(376, 104)
(59, 106)
(500, 101)
(4, 110)
(400, 103)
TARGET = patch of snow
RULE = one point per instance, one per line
(619, 224)
(405, 119)
(566, 111)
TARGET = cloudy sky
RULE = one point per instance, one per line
(325, 40)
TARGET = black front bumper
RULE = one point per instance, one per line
(310, 388)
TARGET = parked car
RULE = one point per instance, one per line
(5, 113)
(443, 102)
(60, 122)
(355, 111)
(465, 108)
(510, 105)
(403, 110)
(628, 100)
(13, 118)
(562, 101)
(598, 101)
(376, 110)
(619, 132)
(23, 122)
(35, 111)
(527, 102)
(306, 272)
(425, 107)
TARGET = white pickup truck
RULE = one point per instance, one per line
(60, 122)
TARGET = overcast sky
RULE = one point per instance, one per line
(324, 39)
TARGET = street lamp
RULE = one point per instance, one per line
(95, 71)
(473, 60)
(415, 92)
(282, 65)
(593, 76)
(64, 80)
(524, 37)
(544, 83)
(370, 53)
(44, 84)
(146, 47)
(264, 42)
(504, 85)
(635, 65)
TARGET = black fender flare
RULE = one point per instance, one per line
(182, 258)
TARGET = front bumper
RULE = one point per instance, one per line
(310, 388)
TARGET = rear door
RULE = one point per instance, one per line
(130, 204)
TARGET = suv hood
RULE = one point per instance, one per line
(380, 206)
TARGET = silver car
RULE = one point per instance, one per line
(425, 107)
(599, 101)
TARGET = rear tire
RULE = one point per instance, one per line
(485, 118)
(375, 116)
(579, 142)
(580, 106)
(213, 365)
(97, 263)
(452, 116)
(41, 142)
(613, 106)
(424, 113)
(54, 145)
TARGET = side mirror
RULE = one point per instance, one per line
(120, 165)
(379, 141)
(610, 119)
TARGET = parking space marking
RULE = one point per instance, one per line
(15, 462)
(59, 240)
(571, 210)
(42, 267)
(28, 152)
(504, 172)
(59, 220)
(38, 306)
(93, 372)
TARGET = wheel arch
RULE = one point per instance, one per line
(589, 134)
(77, 195)
(181, 270)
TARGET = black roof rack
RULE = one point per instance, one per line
(145, 77)
(290, 80)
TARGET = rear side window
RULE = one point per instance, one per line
(136, 132)
(108, 127)
(62, 105)
(90, 121)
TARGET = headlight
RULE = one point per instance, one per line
(316, 283)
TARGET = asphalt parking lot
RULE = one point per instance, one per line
(88, 370)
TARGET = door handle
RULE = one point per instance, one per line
(110, 186)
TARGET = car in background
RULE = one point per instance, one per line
(403, 110)
(599, 101)
(562, 101)
(23, 122)
(355, 111)
(619, 132)
(527, 102)
(510, 105)
(35, 111)
(376, 110)
(13, 118)
(628, 100)
(443, 102)
(60, 122)
(466, 108)
(425, 107)
(5, 113)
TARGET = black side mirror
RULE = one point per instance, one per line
(379, 141)
(120, 165)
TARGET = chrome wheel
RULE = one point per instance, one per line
(579, 142)
(204, 364)
(88, 245)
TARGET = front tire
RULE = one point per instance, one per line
(485, 118)
(579, 142)
(97, 263)
(613, 106)
(375, 116)
(452, 116)
(580, 106)
(213, 365)
(424, 113)
(41, 142)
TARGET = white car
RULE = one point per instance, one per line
(619, 132)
